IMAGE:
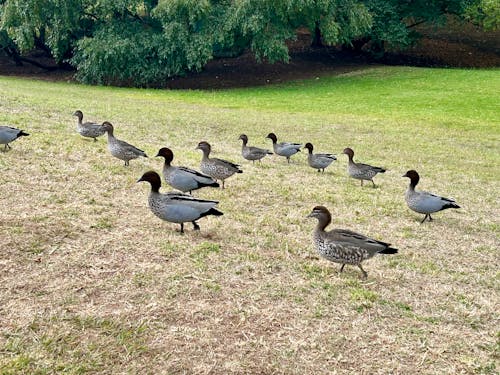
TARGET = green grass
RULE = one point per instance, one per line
(92, 282)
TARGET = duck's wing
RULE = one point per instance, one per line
(258, 151)
(432, 202)
(349, 238)
(191, 179)
(326, 156)
(367, 167)
(227, 164)
(130, 149)
(290, 145)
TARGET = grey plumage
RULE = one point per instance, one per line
(424, 202)
(250, 152)
(177, 207)
(88, 129)
(345, 246)
(218, 169)
(182, 178)
(285, 149)
(361, 171)
(318, 161)
(9, 134)
(121, 149)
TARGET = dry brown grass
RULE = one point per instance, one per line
(92, 282)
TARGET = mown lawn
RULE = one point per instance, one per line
(92, 282)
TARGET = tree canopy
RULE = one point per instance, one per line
(143, 42)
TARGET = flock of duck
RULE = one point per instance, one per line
(337, 245)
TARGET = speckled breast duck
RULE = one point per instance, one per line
(218, 169)
(345, 246)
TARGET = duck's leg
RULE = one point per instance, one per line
(342, 268)
(182, 228)
(195, 225)
(223, 184)
(372, 182)
(365, 275)
(126, 163)
(361, 182)
(7, 146)
(430, 217)
(95, 139)
(425, 217)
(288, 159)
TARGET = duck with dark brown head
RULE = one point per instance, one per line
(182, 178)
(344, 246)
(175, 207)
(318, 161)
(285, 149)
(424, 202)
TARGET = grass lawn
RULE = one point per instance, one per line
(92, 282)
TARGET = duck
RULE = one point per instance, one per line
(361, 171)
(285, 149)
(424, 202)
(216, 168)
(318, 161)
(182, 178)
(250, 152)
(88, 129)
(177, 207)
(345, 246)
(121, 149)
(9, 134)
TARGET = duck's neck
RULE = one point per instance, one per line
(323, 222)
(206, 154)
(413, 183)
(155, 187)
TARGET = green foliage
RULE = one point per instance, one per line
(120, 53)
(268, 25)
(485, 13)
(50, 23)
(393, 20)
(187, 33)
(143, 42)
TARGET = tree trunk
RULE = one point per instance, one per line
(317, 41)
